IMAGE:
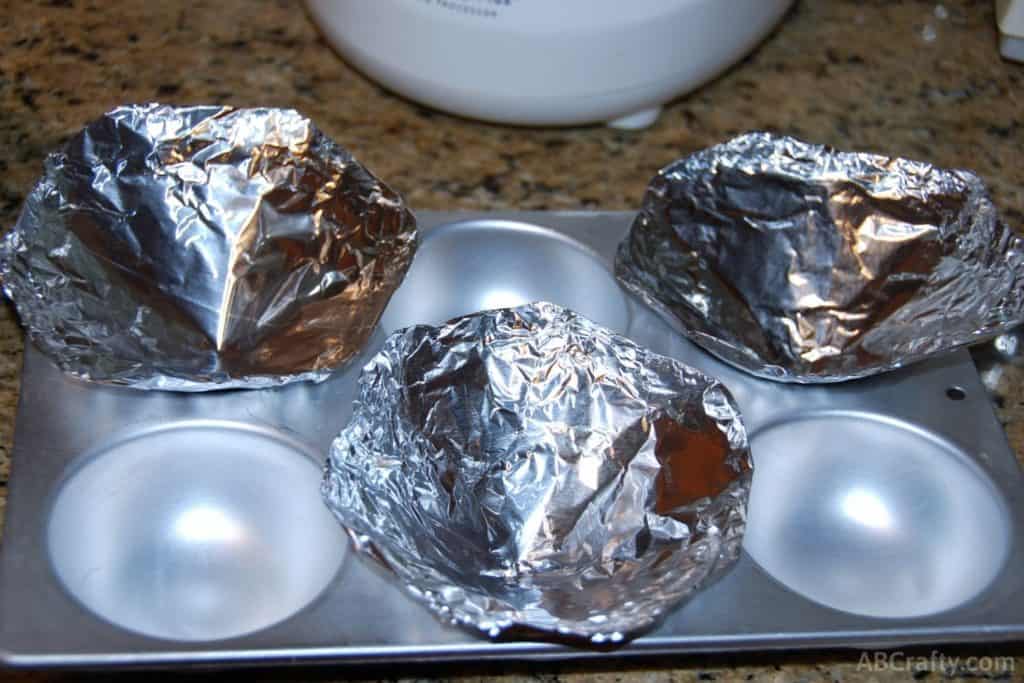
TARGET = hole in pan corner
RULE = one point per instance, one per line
(955, 393)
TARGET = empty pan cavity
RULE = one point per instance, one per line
(471, 266)
(195, 531)
(873, 516)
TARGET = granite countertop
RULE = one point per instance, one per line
(917, 79)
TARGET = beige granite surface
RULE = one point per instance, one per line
(919, 79)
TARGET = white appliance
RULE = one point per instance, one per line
(1010, 16)
(546, 62)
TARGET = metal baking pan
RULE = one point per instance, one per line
(148, 528)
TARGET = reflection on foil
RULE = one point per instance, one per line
(203, 248)
(526, 472)
(800, 263)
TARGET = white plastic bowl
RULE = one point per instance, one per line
(538, 62)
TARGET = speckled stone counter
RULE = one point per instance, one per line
(918, 79)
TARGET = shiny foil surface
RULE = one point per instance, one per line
(800, 263)
(528, 473)
(204, 248)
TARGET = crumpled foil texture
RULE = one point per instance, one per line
(528, 473)
(800, 263)
(204, 248)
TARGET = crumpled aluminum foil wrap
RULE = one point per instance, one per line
(204, 248)
(528, 473)
(800, 263)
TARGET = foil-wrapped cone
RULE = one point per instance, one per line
(526, 472)
(204, 248)
(800, 263)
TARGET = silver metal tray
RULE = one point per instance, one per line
(163, 529)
